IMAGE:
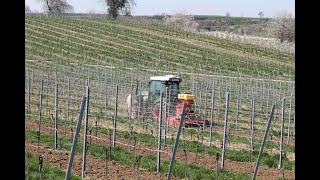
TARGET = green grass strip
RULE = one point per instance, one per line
(147, 162)
(50, 172)
(270, 160)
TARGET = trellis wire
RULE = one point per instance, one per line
(74, 89)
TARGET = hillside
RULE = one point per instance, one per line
(106, 42)
(89, 66)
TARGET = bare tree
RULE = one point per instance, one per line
(56, 7)
(181, 20)
(241, 31)
(282, 26)
(126, 11)
(261, 14)
(115, 7)
(27, 9)
(92, 13)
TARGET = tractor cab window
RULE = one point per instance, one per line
(157, 86)
(174, 88)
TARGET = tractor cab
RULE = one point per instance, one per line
(159, 83)
(147, 104)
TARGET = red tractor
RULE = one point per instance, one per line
(190, 119)
(147, 103)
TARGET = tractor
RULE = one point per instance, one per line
(147, 104)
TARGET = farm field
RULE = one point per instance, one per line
(66, 55)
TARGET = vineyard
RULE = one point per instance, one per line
(79, 72)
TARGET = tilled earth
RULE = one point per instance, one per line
(96, 168)
(233, 145)
(201, 159)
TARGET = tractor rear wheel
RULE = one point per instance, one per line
(156, 113)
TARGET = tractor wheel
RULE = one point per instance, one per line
(156, 113)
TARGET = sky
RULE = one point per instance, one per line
(237, 8)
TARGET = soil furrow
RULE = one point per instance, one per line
(201, 159)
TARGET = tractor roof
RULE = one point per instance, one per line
(165, 78)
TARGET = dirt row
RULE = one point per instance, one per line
(201, 159)
(231, 145)
(243, 133)
(122, 112)
(240, 133)
(95, 168)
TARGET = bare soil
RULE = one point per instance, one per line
(95, 168)
(201, 159)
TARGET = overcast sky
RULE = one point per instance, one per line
(246, 8)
